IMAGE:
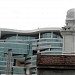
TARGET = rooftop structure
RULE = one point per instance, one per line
(68, 33)
(70, 14)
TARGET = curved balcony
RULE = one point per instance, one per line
(14, 70)
(51, 52)
(17, 48)
(47, 43)
(18, 70)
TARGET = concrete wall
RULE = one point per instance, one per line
(55, 72)
(68, 44)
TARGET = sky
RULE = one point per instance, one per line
(33, 14)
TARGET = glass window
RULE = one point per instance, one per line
(46, 35)
(56, 35)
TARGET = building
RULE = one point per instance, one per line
(63, 64)
(24, 46)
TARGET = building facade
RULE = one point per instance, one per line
(24, 47)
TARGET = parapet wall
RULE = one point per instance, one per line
(56, 61)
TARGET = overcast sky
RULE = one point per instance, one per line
(33, 14)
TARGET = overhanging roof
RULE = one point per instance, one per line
(13, 31)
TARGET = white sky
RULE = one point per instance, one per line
(33, 14)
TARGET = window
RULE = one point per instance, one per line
(34, 52)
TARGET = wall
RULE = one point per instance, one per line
(55, 72)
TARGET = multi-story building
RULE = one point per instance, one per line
(24, 47)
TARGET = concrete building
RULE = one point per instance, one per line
(24, 47)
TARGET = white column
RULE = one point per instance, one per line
(39, 35)
(68, 44)
(0, 34)
(28, 71)
(51, 34)
(63, 45)
(74, 42)
(16, 36)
